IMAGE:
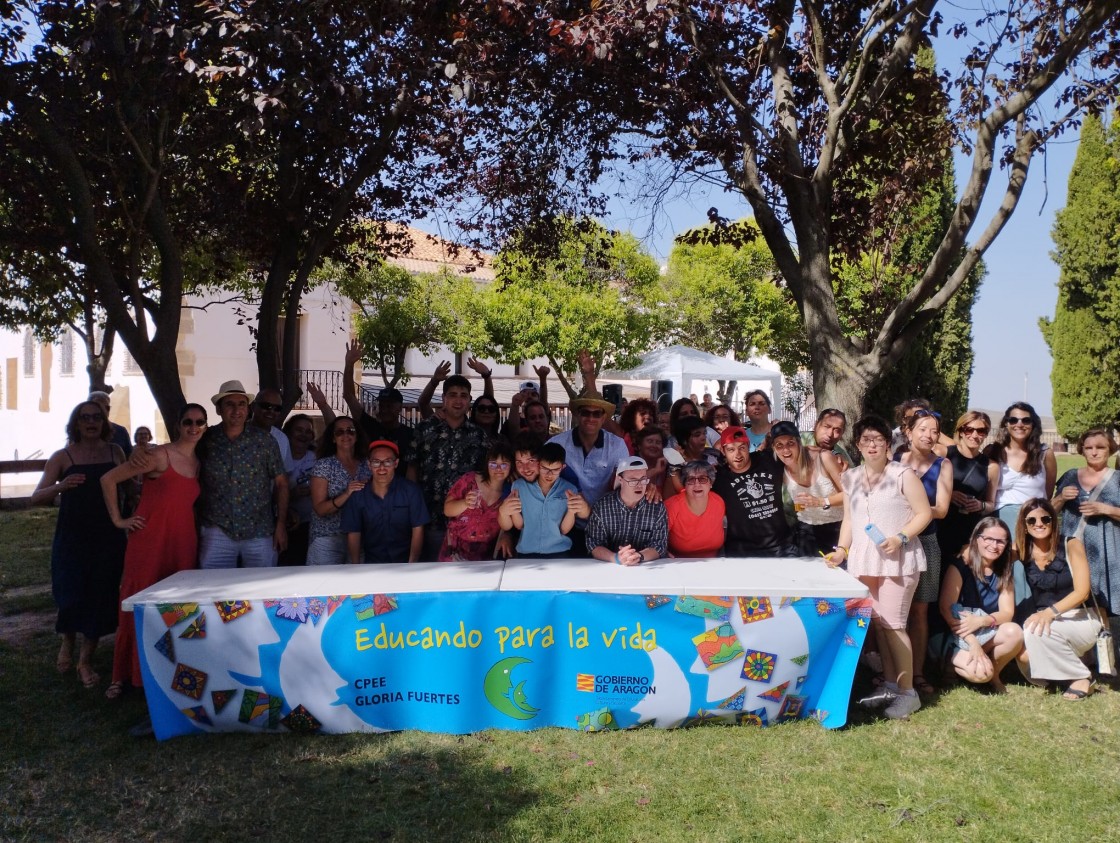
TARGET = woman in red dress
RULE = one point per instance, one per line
(162, 538)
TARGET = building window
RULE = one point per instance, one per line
(131, 367)
(66, 352)
(28, 354)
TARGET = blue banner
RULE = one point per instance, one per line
(465, 661)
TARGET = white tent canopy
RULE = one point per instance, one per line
(683, 365)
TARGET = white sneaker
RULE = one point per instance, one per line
(903, 706)
(878, 699)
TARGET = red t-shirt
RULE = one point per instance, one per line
(695, 535)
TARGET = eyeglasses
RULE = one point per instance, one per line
(872, 441)
(1044, 520)
(485, 408)
(702, 479)
(193, 423)
(498, 466)
(591, 414)
(345, 431)
(635, 484)
(550, 471)
(272, 408)
(91, 417)
(994, 540)
(973, 431)
(389, 463)
(1019, 420)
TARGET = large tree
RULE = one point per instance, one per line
(781, 100)
(251, 137)
(1084, 335)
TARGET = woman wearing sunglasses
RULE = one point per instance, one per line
(1063, 629)
(340, 471)
(975, 480)
(486, 414)
(1027, 468)
(162, 539)
(1090, 496)
(978, 603)
(471, 508)
(88, 550)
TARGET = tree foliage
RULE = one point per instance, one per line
(142, 133)
(399, 310)
(1083, 336)
(799, 106)
(725, 296)
(597, 292)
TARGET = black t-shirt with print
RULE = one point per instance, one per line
(756, 522)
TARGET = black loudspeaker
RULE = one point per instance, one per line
(662, 393)
(613, 393)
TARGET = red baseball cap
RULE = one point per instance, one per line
(733, 434)
(384, 443)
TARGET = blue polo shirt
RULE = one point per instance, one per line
(593, 472)
(386, 523)
(543, 514)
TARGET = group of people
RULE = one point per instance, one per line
(461, 487)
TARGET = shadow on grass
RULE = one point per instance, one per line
(68, 770)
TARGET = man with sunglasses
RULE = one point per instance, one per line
(241, 470)
(625, 527)
(268, 410)
(592, 453)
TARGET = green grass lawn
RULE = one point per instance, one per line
(1068, 461)
(969, 766)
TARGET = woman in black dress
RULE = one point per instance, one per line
(975, 480)
(87, 556)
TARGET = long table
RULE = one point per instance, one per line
(521, 644)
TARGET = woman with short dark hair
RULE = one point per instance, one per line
(340, 472)
(696, 515)
(885, 508)
(472, 505)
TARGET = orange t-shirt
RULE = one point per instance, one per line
(695, 535)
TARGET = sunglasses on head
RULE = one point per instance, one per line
(1044, 520)
(1019, 420)
(921, 414)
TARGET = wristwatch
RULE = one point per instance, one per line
(826, 505)
(905, 539)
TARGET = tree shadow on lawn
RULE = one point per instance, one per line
(69, 770)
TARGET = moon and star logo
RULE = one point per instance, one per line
(503, 694)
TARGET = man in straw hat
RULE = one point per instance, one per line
(241, 466)
(592, 453)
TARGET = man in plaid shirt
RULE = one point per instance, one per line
(624, 527)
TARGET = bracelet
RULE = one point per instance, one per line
(488, 373)
(841, 547)
(334, 503)
(1055, 611)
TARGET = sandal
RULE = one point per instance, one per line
(114, 690)
(88, 676)
(1075, 694)
(922, 685)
